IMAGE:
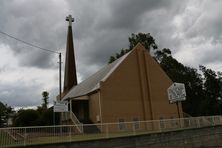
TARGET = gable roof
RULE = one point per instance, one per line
(93, 82)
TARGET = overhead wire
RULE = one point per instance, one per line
(27, 43)
(44, 49)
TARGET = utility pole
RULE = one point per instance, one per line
(178, 109)
(60, 80)
(60, 77)
(60, 84)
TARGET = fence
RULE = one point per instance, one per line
(22, 136)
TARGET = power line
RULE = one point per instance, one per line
(27, 43)
(44, 49)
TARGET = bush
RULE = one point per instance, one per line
(27, 117)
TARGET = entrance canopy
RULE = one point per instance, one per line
(81, 98)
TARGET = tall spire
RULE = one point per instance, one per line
(70, 78)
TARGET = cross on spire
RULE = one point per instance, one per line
(70, 19)
(70, 78)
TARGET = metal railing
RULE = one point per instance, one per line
(22, 136)
(75, 120)
(71, 116)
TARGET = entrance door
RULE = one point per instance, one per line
(81, 109)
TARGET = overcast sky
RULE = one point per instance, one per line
(191, 29)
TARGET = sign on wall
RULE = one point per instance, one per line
(61, 106)
(176, 92)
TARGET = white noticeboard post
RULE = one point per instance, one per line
(61, 106)
(176, 92)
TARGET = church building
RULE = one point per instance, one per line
(132, 88)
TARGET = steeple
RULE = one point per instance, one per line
(70, 78)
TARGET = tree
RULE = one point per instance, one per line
(213, 91)
(204, 92)
(42, 116)
(5, 112)
(45, 99)
(112, 59)
(46, 118)
(162, 54)
(46, 114)
(27, 117)
(144, 38)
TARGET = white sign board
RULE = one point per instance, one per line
(176, 92)
(61, 106)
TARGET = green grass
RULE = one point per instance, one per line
(76, 138)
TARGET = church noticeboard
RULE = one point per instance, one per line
(61, 106)
(176, 92)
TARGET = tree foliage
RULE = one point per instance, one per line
(203, 89)
(40, 117)
(144, 38)
(27, 117)
(5, 112)
(212, 87)
(45, 99)
(31, 117)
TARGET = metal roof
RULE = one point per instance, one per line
(93, 82)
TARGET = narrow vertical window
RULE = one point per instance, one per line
(161, 123)
(122, 125)
(136, 123)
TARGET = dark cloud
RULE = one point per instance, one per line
(107, 28)
(128, 14)
(37, 22)
(43, 60)
(101, 29)
(96, 56)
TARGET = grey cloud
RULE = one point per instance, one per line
(101, 29)
(128, 14)
(18, 95)
(208, 23)
(106, 30)
(39, 60)
(212, 55)
(96, 52)
(34, 22)
(202, 32)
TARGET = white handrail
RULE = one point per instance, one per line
(71, 116)
(75, 120)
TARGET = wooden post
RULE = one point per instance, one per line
(178, 110)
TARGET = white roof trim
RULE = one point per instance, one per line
(113, 69)
(82, 98)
